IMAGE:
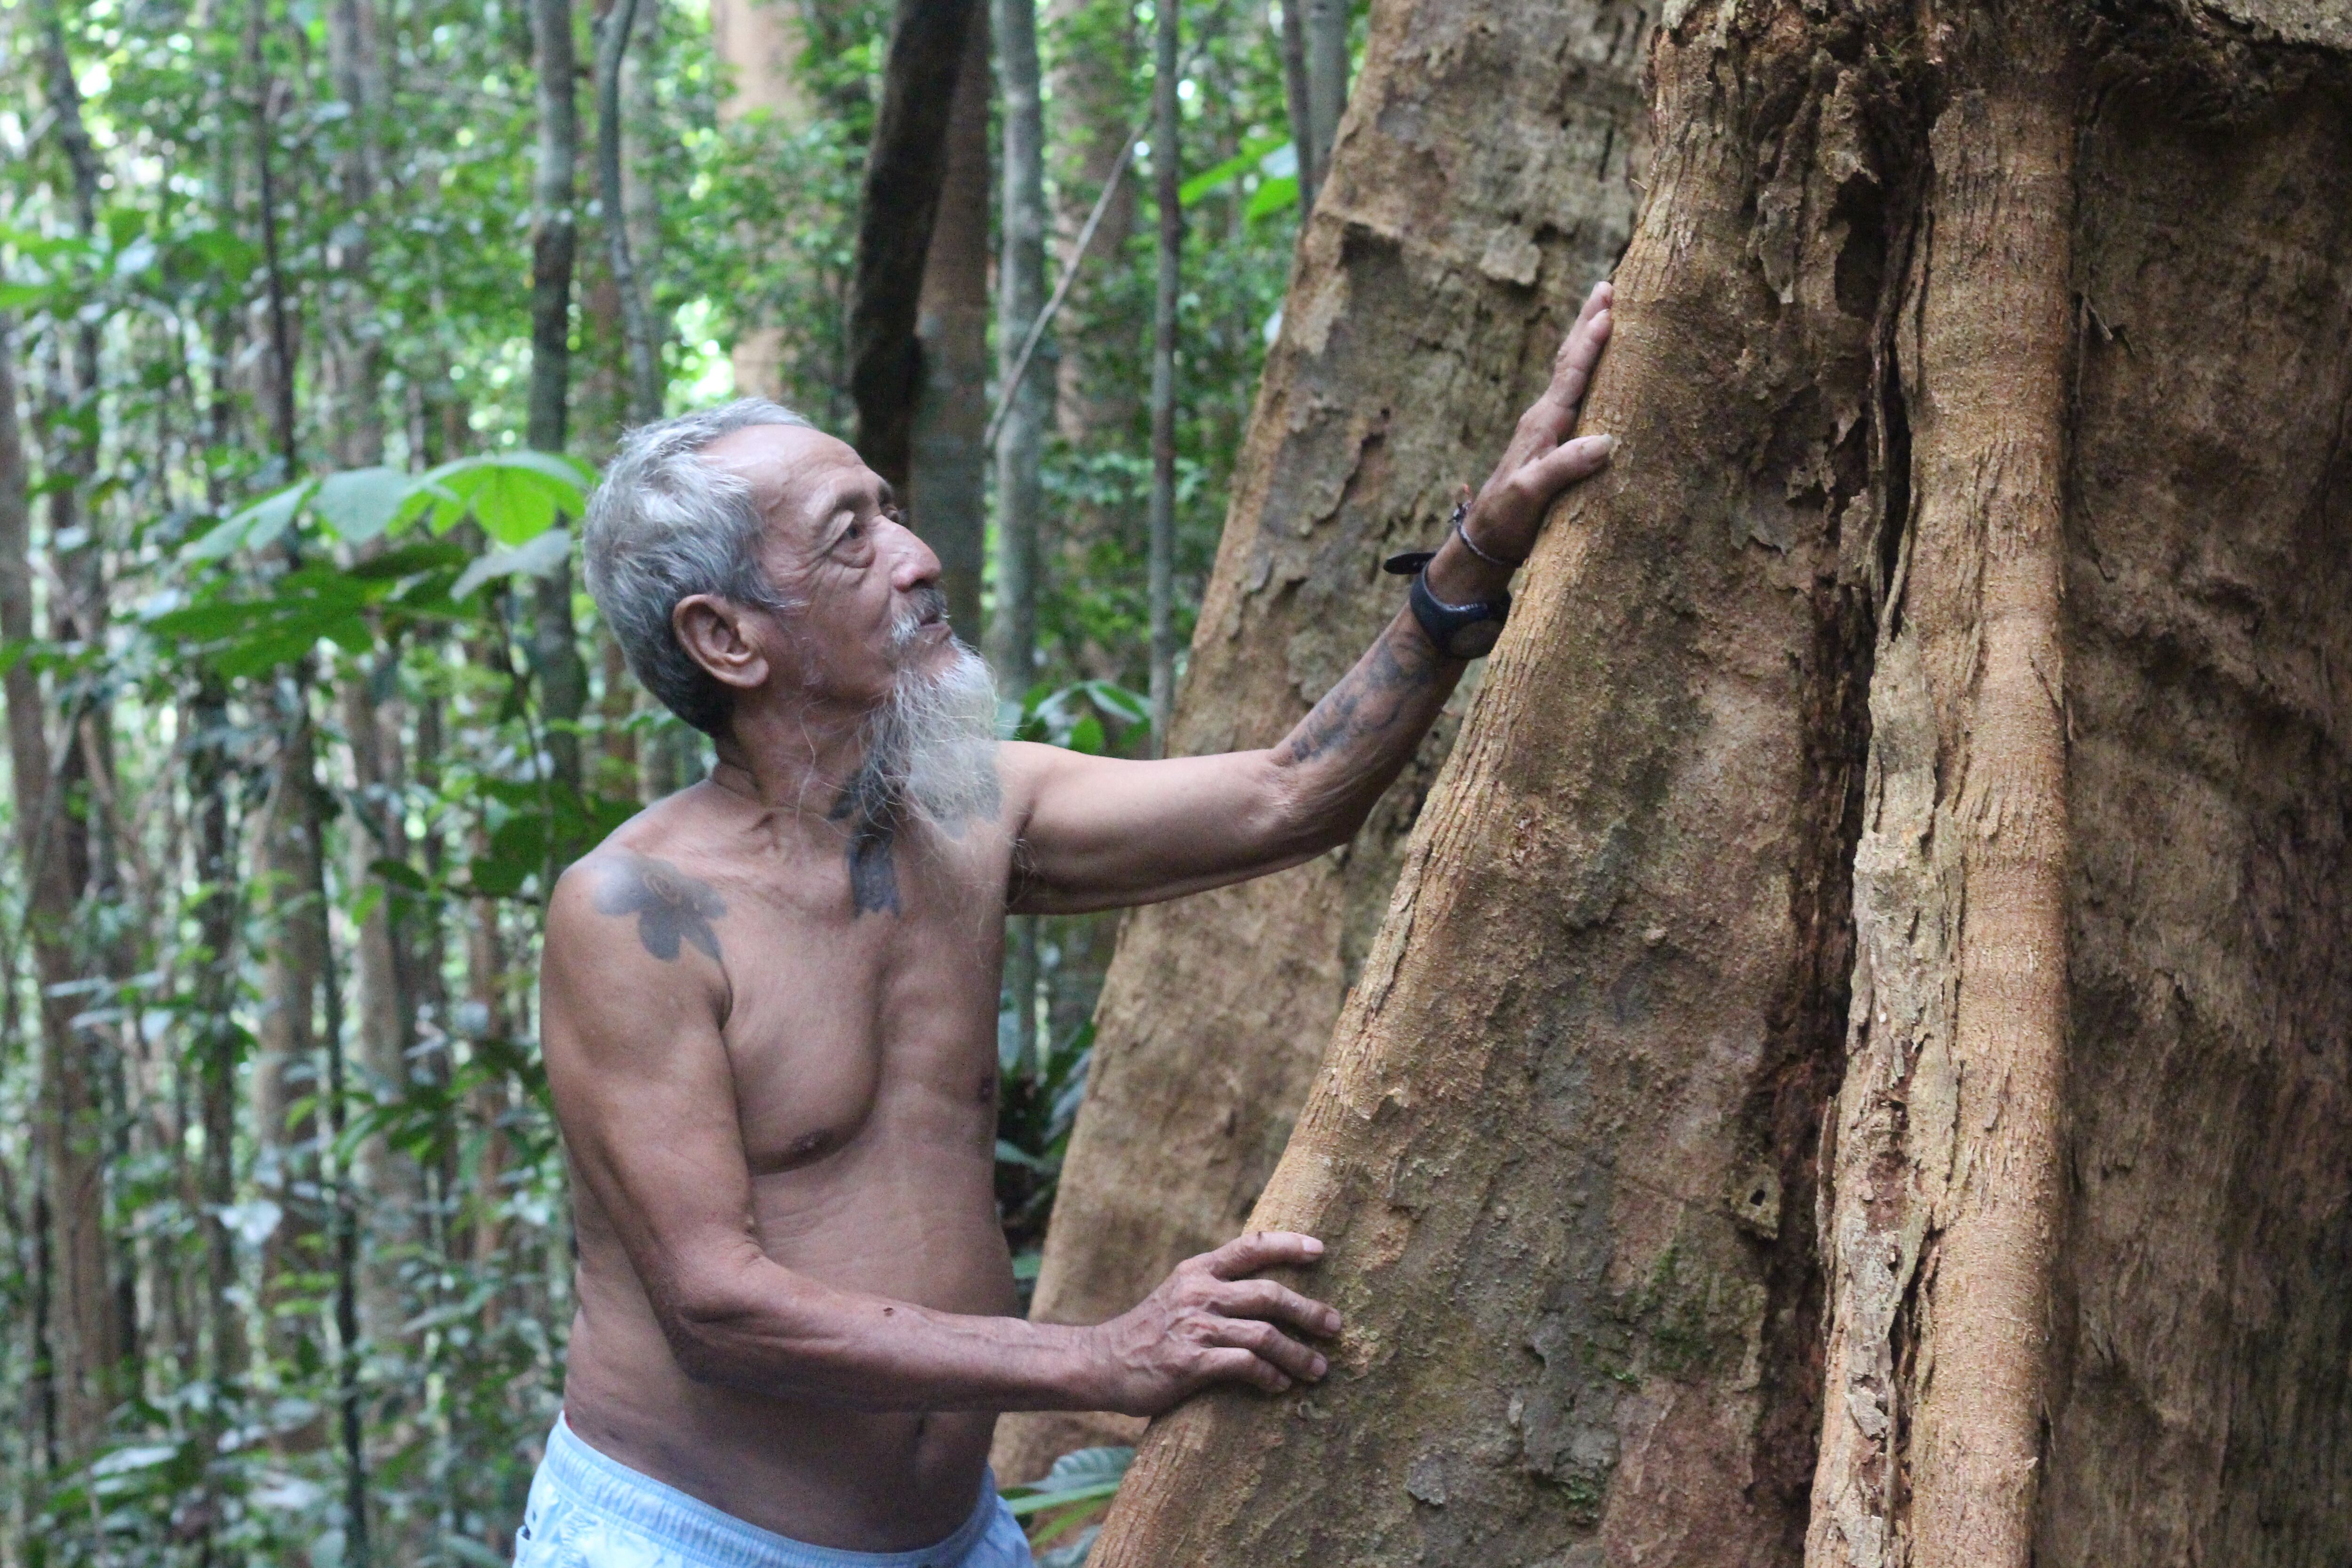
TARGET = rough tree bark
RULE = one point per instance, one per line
(947, 490)
(905, 167)
(1418, 326)
(1908, 804)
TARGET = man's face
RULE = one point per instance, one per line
(859, 580)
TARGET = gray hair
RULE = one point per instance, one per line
(664, 526)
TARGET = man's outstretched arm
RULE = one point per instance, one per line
(1100, 832)
(633, 990)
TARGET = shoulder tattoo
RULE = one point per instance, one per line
(670, 906)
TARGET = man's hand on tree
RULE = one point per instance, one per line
(1209, 1322)
(1540, 462)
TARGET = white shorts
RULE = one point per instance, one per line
(590, 1512)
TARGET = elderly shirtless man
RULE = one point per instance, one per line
(769, 1009)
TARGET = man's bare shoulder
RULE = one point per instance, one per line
(640, 899)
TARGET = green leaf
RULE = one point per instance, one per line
(1087, 735)
(1038, 1502)
(20, 296)
(1009, 1154)
(542, 557)
(235, 256)
(515, 496)
(400, 873)
(1274, 196)
(1130, 707)
(361, 504)
(1224, 173)
(256, 527)
(1088, 1467)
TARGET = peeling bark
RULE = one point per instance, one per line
(1909, 804)
(1482, 193)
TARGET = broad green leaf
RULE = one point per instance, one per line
(539, 558)
(256, 527)
(22, 296)
(1088, 1468)
(515, 496)
(233, 254)
(361, 504)
(1273, 197)
(1087, 735)
(1117, 700)
(516, 504)
(1240, 164)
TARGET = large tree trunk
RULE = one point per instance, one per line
(947, 490)
(1910, 799)
(1421, 317)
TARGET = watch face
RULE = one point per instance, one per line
(1474, 640)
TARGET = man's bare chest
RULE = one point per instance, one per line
(846, 1026)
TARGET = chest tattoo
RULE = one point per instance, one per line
(866, 804)
(670, 906)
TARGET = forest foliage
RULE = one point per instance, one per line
(306, 706)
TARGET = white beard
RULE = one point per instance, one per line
(931, 749)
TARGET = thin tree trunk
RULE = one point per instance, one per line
(218, 1043)
(644, 380)
(93, 1331)
(285, 1068)
(906, 165)
(78, 1345)
(1217, 1008)
(1167, 132)
(1325, 46)
(555, 650)
(1089, 119)
(219, 1038)
(948, 477)
(1020, 440)
(386, 992)
(1299, 101)
(760, 43)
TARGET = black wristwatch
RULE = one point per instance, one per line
(1459, 631)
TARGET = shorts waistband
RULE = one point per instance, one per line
(714, 1537)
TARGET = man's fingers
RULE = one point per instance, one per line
(1557, 469)
(1233, 1365)
(1573, 370)
(1271, 1345)
(1276, 1303)
(1262, 1249)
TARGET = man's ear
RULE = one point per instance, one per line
(723, 637)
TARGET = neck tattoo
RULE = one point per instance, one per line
(866, 804)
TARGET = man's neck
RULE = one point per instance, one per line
(799, 760)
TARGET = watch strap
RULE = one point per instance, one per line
(1459, 631)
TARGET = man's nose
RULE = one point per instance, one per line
(914, 564)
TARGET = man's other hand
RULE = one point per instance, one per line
(1210, 1322)
(1541, 460)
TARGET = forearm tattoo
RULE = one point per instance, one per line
(670, 906)
(1369, 699)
